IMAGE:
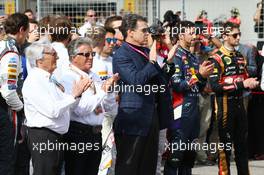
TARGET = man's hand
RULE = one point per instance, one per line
(80, 86)
(250, 83)
(166, 38)
(110, 82)
(206, 69)
(172, 52)
(33, 36)
(153, 52)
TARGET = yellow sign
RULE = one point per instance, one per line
(10, 7)
(130, 6)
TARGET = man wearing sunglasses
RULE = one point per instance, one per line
(140, 115)
(115, 22)
(103, 44)
(228, 81)
(87, 116)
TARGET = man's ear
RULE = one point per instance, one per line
(181, 36)
(22, 29)
(39, 62)
(130, 33)
(224, 36)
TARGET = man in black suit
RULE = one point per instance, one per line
(145, 102)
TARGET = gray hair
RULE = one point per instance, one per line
(75, 44)
(34, 52)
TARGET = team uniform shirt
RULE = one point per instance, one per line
(10, 68)
(102, 67)
(46, 106)
(187, 82)
(229, 72)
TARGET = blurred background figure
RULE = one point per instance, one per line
(115, 22)
(258, 18)
(29, 13)
(89, 21)
(2, 30)
(235, 16)
(203, 17)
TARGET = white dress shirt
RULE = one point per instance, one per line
(45, 104)
(90, 100)
(63, 61)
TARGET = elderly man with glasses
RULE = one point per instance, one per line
(88, 114)
(47, 108)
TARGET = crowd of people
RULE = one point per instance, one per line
(124, 96)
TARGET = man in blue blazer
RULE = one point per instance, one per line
(145, 104)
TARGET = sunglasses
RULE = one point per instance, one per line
(87, 54)
(145, 30)
(235, 35)
(109, 40)
(91, 15)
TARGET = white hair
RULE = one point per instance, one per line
(34, 52)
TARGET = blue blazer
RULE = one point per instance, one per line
(136, 107)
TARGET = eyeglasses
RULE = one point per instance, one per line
(235, 35)
(109, 40)
(87, 54)
(91, 15)
(52, 54)
(144, 30)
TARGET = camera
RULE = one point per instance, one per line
(156, 30)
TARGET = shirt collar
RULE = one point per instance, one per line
(78, 71)
(227, 52)
(42, 72)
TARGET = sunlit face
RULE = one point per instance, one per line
(110, 42)
(29, 15)
(49, 60)
(22, 35)
(233, 37)
(84, 58)
(188, 36)
(91, 16)
(140, 34)
(118, 34)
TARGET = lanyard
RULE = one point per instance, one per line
(139, 51)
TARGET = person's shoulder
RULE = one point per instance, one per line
(121, 51)
(68, 73)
